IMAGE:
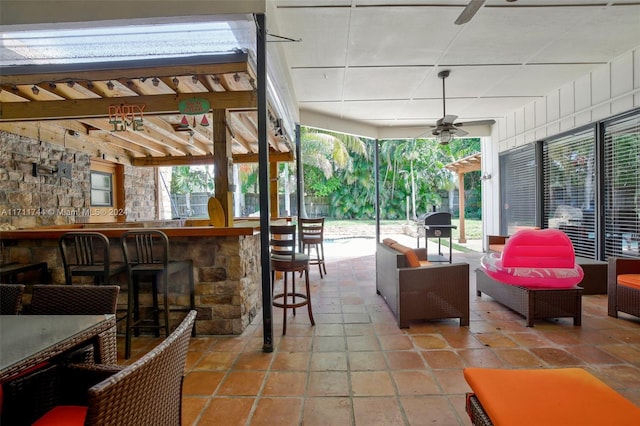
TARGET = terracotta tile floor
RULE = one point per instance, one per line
(356, 367)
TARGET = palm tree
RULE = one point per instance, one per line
(328, 152)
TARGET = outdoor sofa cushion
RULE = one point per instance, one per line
(409, 253)
(629, 280)
(565, 396)
(535, 259)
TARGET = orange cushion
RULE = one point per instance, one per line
(629, 280)
(549, 397)
(63, 415)
(389, 242)
(412, 257)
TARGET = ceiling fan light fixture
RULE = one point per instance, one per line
(445, 136)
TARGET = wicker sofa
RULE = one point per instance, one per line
(623, 286)
(425, 292)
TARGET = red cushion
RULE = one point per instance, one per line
(63, 415)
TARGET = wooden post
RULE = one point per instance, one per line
(273, 189)
(223, 164)
(463, 238)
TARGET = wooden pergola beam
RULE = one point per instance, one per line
(84, 108)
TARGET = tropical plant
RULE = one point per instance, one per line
(185, 180)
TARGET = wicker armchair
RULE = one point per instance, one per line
(623, 286)
(10, 298)
(147, 392)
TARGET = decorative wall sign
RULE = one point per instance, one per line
(124, 116)
(194, 106)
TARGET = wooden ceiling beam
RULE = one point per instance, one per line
(125, 73)
(79, 108)
(283, 157)
(141, 144)
(199, 160)
(178, 160)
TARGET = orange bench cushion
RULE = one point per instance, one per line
(566, 396)
(629, 280)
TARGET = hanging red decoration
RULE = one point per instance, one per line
(184, 122)
(204, 122)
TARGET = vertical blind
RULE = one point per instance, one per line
(517, 189)
(569, 172)
(621, 186)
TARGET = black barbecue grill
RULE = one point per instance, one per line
(436, 225)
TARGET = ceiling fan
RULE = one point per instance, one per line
(470, 11)
(445, 128)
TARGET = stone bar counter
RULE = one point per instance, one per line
(226, 266)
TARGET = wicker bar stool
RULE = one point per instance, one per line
(285, 259)
(146, 254)
(312, 235)
(86, 253)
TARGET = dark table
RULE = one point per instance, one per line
(28, 340)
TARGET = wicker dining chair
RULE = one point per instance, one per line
(77, 300)
(50, 299)
(146, 392)
(10, 298)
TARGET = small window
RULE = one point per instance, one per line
(101, 189)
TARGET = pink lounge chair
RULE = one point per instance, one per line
(542, 258)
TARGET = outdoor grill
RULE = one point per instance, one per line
(436, 225)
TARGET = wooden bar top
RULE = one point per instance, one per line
(115, 231)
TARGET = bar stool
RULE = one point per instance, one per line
(86, 253)
(312, 234)
(285, 259)
(146, 254)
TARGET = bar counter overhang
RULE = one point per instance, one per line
(226, 266)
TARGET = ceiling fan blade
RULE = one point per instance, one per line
(460, 132)
(469, 11)
(477, 123)
(449, 119)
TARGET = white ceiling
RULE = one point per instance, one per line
(372, 65)
(375, 62)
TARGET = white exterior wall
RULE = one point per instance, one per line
(609, 90)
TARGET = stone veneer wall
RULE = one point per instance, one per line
(27, 201)
(228, 281)
(140, 193)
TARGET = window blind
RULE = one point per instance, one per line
(621, 186)
(569, 172)
(517, 189)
